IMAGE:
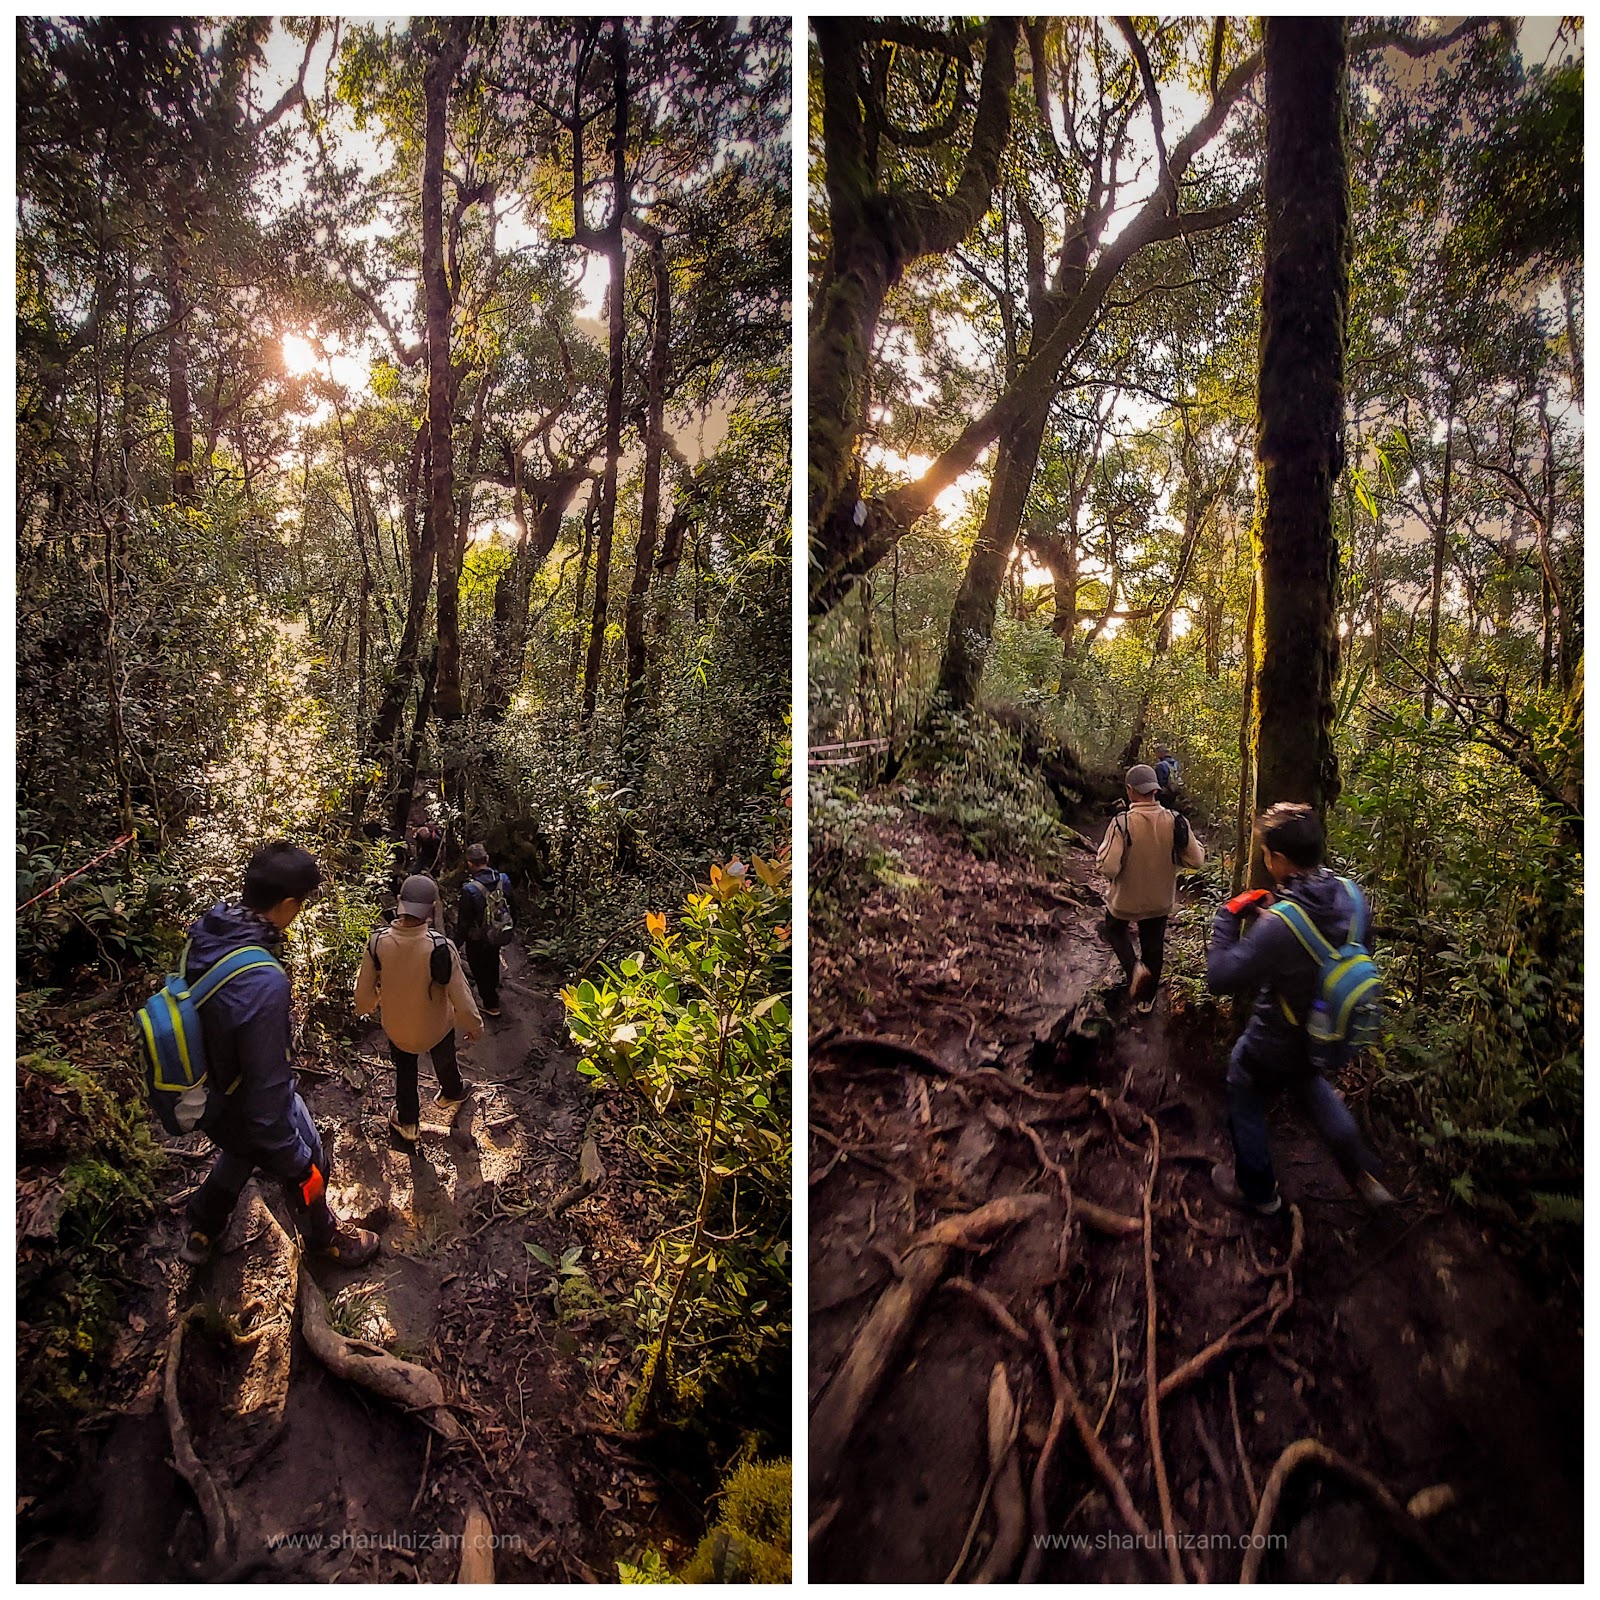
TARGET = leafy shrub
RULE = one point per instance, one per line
(697, 1028)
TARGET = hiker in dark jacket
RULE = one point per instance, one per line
(260, 1121)
(472, 926)
(1253, 952)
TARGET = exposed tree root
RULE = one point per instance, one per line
(990, 1303)
(886, 1329)
(1152, 1386)
(213, 1511)
(591, 1174)
(1314, 1452)
(1003, 1486)
(1238, 1444)
(477, 1548)
(1058, 1410)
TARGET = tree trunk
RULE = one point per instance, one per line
(590, 513)
(178, 369)
(437, 82)
(644, 554)
(875, 237)
(1300, 424)
(618, 340)
(1441, 535)
(971, 632)
(1247, 701)
(406, 785)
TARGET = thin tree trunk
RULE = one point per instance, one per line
(971, 632)
(633, 626)
(591, 513)
(1300, 424)
(1441, 535)
(406, 784)
(1247, 702)
(183, 491)
(615, 250)
(437, 82)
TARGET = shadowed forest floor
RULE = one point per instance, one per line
(1409, 1344)
(300, 1455)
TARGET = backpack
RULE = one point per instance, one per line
(441, 959)
(174, 1039)
(497, 924)
(1347, 1012)
(1180, 836)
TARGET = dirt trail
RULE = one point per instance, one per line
(1410, 1345)
(299, 1454)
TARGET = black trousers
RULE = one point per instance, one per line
(1152, 942)
(407, 1103)
(483, 961)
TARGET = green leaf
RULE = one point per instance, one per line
(539, 1254)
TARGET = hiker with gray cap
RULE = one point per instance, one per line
(413, 973)
(1143, 848)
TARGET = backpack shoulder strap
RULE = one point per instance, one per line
(245, 959)
(1358, 902)
(1304, 930)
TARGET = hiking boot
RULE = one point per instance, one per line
(449, 1103)
(1145, 1007)
(1224, 1182)
(1142, 985)
(350, 1247)
(405, 1132)
(197, 1248)
(491, 1011)
(1376, 1196)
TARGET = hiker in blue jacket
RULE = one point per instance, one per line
(255, 1115)
(473, 925)
(1251, 952)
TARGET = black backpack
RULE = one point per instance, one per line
(1180, 834)
(441, 959)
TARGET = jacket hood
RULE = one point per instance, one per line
(224, 928)
(1325, 900)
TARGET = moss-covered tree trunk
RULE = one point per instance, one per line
(874, 237)
(1300, 424)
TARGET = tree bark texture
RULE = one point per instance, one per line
(437, 82)
(644, 554)
(971, 631)
(1300, 422)
(618, 339)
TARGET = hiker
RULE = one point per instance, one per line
(427, 847)
(483, 924)
(1274, 1053)
(1167, 777)
(260, 1121)
(413, 972)
(1143, 848)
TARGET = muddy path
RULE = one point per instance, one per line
(323, 1481)
(1408, 1344)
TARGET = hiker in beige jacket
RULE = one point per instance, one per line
(1136, 855)
(414, 974)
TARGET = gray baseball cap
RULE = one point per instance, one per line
(1143, 779)
(419, 894)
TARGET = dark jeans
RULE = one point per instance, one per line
(1152, 942)
(443, 1055)
(483, 961)
(1250, 1088)
(212, 1203)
